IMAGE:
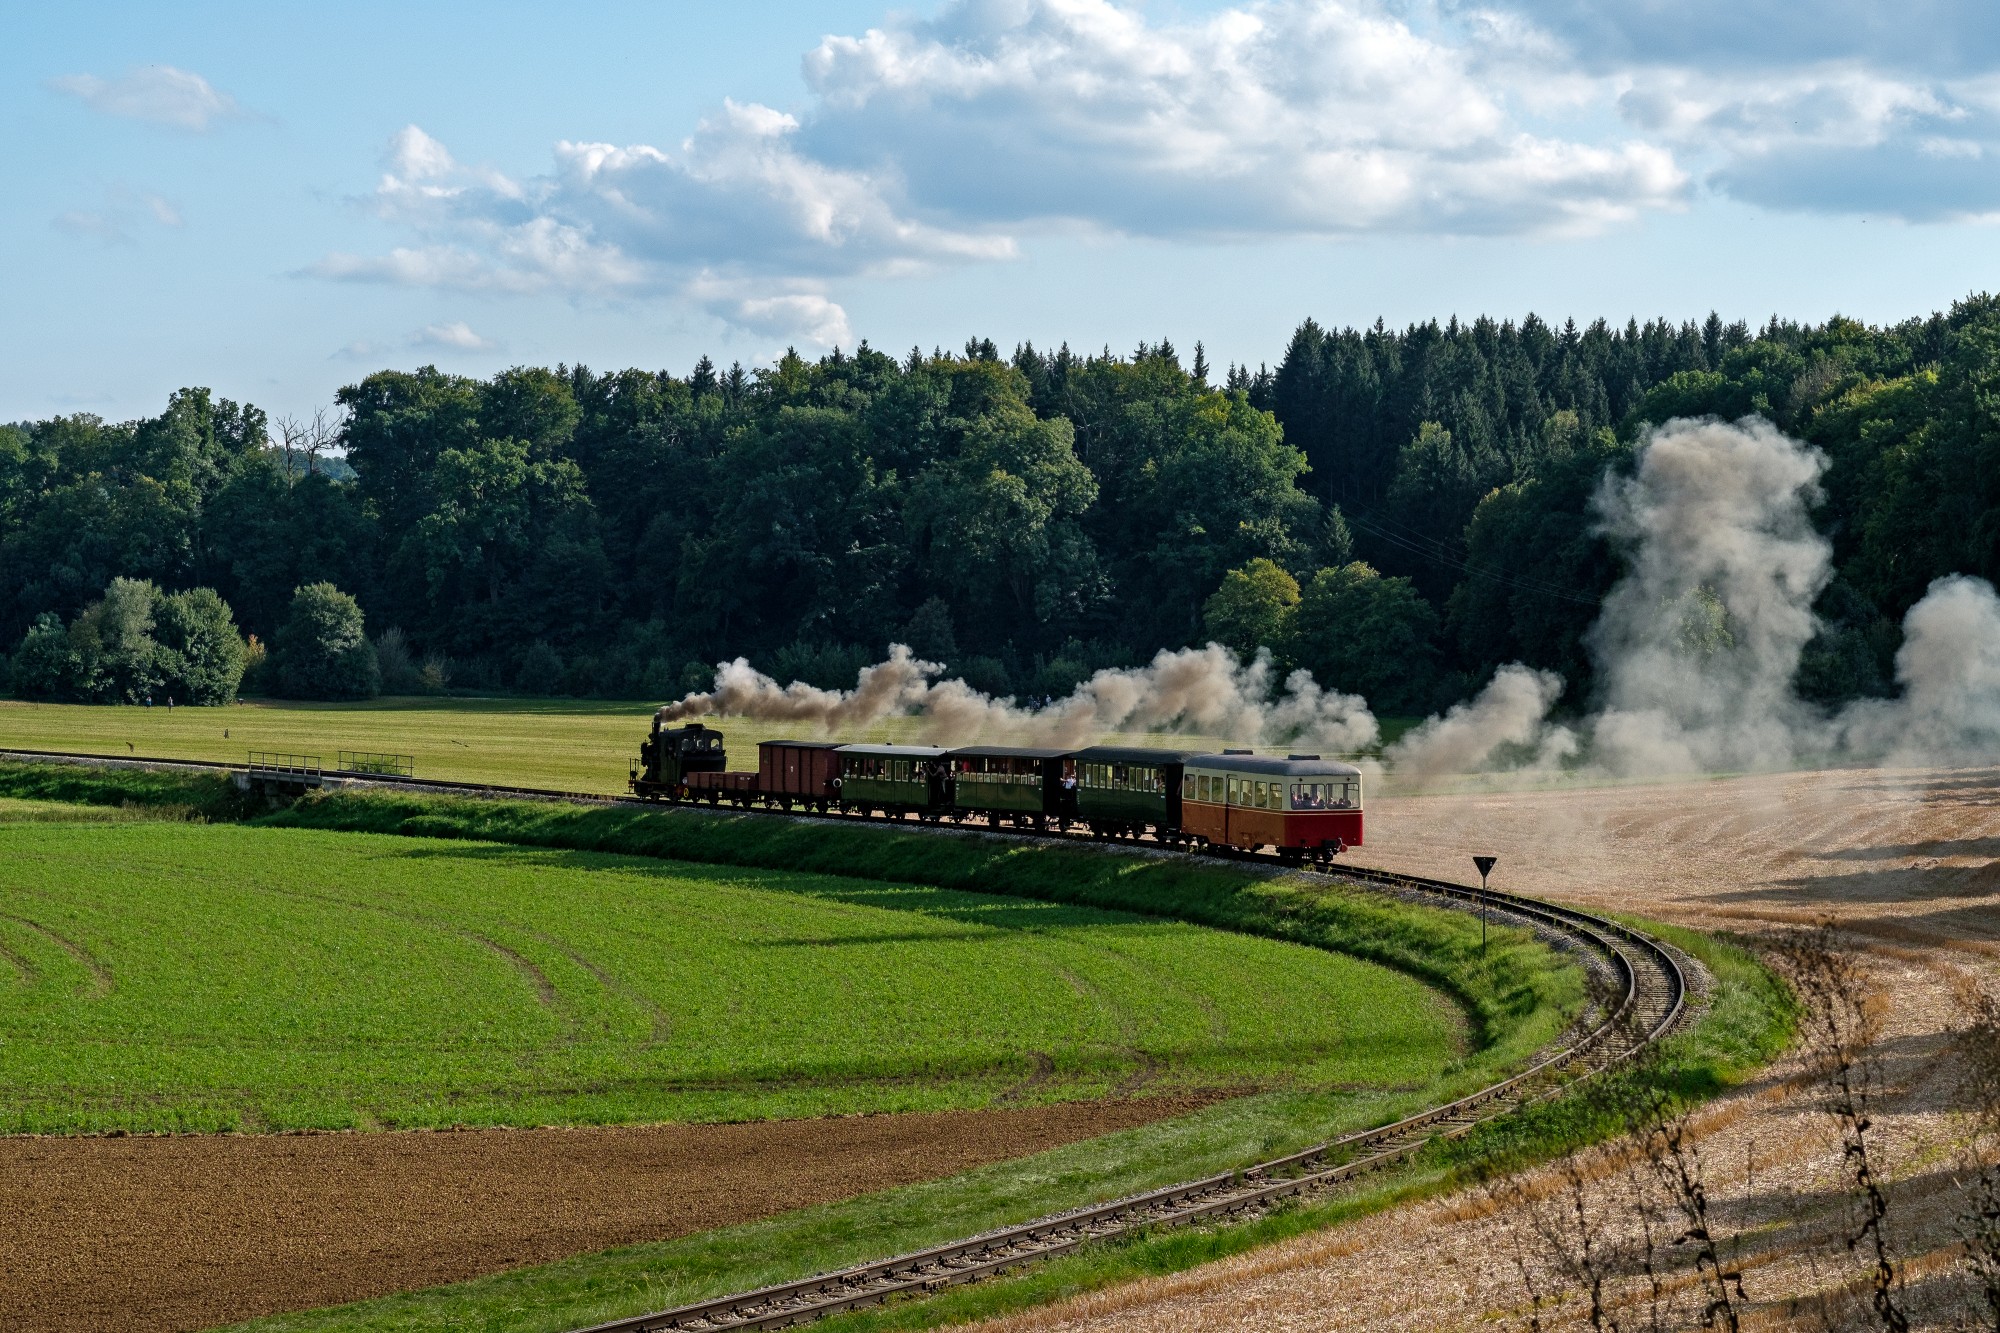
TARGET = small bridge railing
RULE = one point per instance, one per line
(380, 765)
(269, 764)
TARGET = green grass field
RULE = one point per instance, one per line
(569, 745)
(188, 976)
(565, 744)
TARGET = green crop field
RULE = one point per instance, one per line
(566, 744)
(158, 975)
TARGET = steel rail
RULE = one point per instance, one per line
(1651, 991)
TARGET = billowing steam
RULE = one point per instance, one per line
(1697, 645)
(1505, 726)
(1206, 690)
(1696, 648)
(1949, 668)
(887, 689)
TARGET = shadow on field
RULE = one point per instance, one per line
(988, 911)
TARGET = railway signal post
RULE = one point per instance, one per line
(1485, 864)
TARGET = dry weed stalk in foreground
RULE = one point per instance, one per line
(1978, 1045)
(1837, 1030)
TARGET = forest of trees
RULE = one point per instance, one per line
(1400, 510)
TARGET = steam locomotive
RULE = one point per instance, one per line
(1306, 807)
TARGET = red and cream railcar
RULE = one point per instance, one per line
(1302, 805)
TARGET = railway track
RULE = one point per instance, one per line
(1645, 995)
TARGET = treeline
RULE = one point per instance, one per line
(1398, 510)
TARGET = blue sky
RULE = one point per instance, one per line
(273, 202)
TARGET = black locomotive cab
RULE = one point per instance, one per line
(671, 753)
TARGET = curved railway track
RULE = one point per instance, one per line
(1645, 996)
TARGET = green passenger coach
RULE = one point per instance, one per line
(1125, 790)
(898, 778)
(1010, 782)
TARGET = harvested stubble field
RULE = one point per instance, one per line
(174, 976)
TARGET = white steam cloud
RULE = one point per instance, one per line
(1506, 721)
(1696, 649)
(1949, 668)
(1207, 690)
(1697, 645)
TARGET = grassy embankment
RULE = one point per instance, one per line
(564, 744)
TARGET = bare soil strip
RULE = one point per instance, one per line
(188, 1232)
(1909, 862)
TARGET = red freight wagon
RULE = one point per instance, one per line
(735, 788)
(1302, 805)
(798, 773)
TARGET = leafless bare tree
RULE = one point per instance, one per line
(291, 437)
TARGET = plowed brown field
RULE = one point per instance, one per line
(192, 1231)
(1907, 861)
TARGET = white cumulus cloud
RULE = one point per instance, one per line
(457, 335)
(158, 93)
(948, 142)
(928, 143)
(1299, 117)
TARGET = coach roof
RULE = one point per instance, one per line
(1005, 752)
(1132, 754)
(1271, 765)
(893, 751)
